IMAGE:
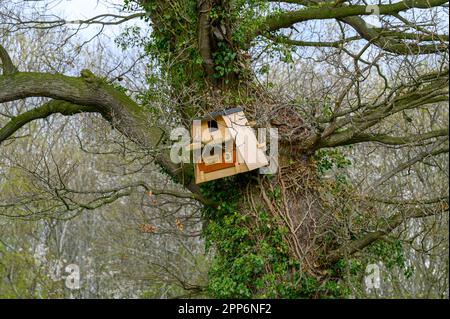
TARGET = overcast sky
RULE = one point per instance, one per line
(84, 9)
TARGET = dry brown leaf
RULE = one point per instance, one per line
(147, 228)
(179, 224)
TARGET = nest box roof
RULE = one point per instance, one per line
(214, 115)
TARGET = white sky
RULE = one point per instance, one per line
(82, 9)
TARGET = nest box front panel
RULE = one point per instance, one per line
(217, 133)
(224, 160)
(214, 130)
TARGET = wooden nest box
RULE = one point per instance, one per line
(225, 145)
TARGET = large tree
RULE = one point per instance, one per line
(296, 233)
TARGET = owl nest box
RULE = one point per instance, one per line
(225, 145)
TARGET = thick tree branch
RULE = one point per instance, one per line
(424, 90)
(395, 140)
(329, 11)
(390, 42)
(387, 40)
(413, 36)
(332, 44)
(204, 36)
(95, 95)
(45, 110)
(388, 225)
(86, 90)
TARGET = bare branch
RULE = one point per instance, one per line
(328, 11)
(389, 225)
(45, 110)
(395, 140)
(424, 90)
(437, 150)
(389, 41)
(102, 19)
(116, 107)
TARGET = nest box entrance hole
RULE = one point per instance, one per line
(213, 126)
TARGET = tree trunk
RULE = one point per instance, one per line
(267, 231)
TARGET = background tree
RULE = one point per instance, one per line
(362, 115)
